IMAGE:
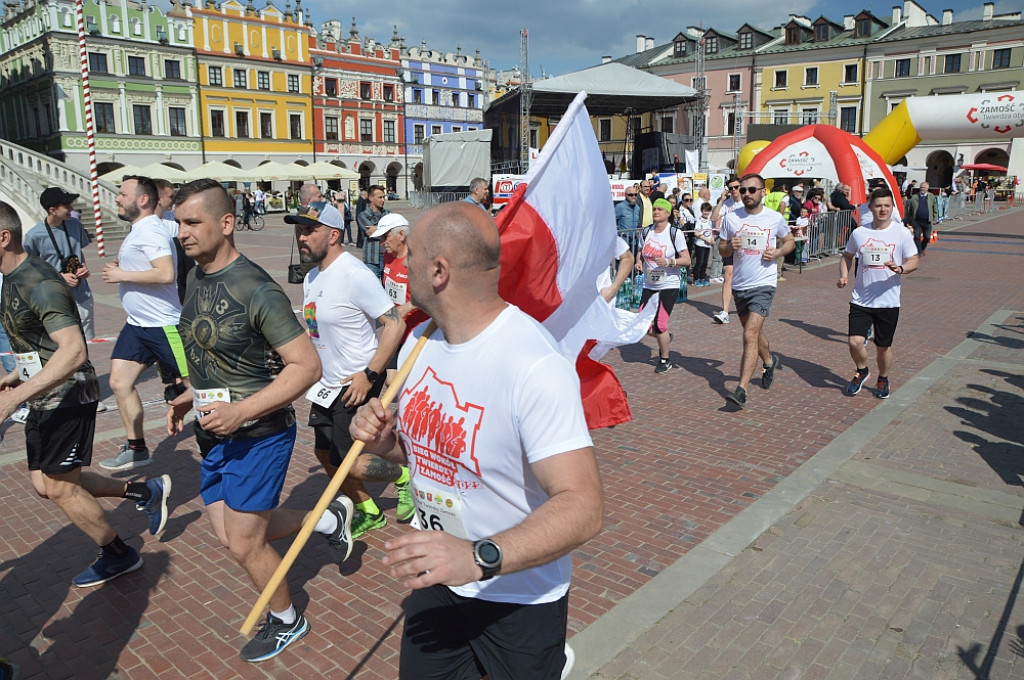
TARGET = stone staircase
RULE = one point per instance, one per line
(25, 173)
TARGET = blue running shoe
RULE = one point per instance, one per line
(882, 388)
(107, 568)
(857, 382)
(272, 637)
(156, 506)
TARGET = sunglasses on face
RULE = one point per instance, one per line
(731, 188)
(630, 195)
(749, 190)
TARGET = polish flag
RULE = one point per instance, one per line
(557, 235)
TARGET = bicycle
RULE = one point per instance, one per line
(256, 222)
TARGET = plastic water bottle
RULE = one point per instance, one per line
(682, 285)
(638, 289)
(624, 298)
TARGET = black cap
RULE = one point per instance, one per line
(54, 196)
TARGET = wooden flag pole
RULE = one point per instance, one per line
(331, 491)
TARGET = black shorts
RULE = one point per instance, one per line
(449, 637)
(60, 440)
(666, 301)
(330, 425)
(757, 300)
(727, 260)
(883, 319)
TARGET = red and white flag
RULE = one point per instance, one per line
(557, 235)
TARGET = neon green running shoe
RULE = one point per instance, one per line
(363, 522)
(406, 510)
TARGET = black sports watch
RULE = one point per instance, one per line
(488, 557)
(372, 376)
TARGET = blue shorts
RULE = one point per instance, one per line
(247, 474)
(147, 346)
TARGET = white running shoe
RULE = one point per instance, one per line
(721, 317)
(21, 415)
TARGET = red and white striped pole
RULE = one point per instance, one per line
(90, 128)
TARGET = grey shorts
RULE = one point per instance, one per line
(757, 300)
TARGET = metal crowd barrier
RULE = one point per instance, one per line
(828, 232)
(956, 207)
(428, 199)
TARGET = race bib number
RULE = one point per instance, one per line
(28, 364)
(874, 256)
(754, 240)
(656, 275)
(395, 291)
(438, 508)
(323, 396)
(210, 395)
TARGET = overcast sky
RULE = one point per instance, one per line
(568, 36)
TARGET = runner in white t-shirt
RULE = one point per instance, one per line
(886, 251)
(661, 259)
(755, 237)
(504, 491)
(342, 303)
(728, 202)
(145, 272)
(609, 287)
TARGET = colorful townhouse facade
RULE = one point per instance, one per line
(358, 106)
(143, 82)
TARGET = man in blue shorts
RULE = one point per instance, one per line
(249, 359)
(57, 380)
(145, 272)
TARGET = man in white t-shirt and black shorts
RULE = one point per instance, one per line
(342, 303)
(662, 254)
(728, 202)
(504, 491)
(886, 251)
(145, 272)
(755, 237)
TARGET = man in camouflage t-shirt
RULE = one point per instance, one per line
(248, 360)
(57, 380)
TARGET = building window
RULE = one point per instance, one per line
(471, 103)
(365, 91)
(104, 112)
(263, 80)
(746, 40)
(143, 120)
(809, 116)
(176, 117)
(216, 75)
(331, 87)
(605, 130)
(734, 82)
(781, 78)
(811, 75)
(902, 68)
(293, 82)
(266, 125)
(217, 123)
(172, 69)
(863, 28)
(365, 129)
(850, 73)
(417, 96)
(389, 93)
(417, 134)
(730, 123)
(136, 66)
(240, 80)
(679, 49)
(821, 33)
(792, 35)
(668, 124)
(470, 128)
(295, 125)
(331, 128)
(456, 128)
(1001, 58)
(389, 131)
(435, 96)
(711, 45)
(952, 64)
(241, 124)
(780, 117)
(456, 100)
(435, 129)
(98, 63)
(533, 138)
(848, 119)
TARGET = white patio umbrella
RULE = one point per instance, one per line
(273, 170)
(325, 170)
(156, 170)
(116, 176)
(220, 171)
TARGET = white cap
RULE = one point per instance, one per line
(389, 222)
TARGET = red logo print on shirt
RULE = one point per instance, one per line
(440, 430)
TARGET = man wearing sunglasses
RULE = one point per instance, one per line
(728, 202)
(645, 199)
(627, 216)
(755, 237)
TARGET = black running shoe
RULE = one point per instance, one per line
(738, 397)
(272, 637)
(768, 376)
(341, 539)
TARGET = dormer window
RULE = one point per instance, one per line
(679, 49)
(711, 45)
(792, 35)
(863, 27)
(746, 40)
(821, 32)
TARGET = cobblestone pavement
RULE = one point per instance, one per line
(809, 535)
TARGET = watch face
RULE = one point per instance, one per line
(488, 553)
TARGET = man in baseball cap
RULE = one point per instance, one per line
(389, 222)
(55, 196)
(343, 301)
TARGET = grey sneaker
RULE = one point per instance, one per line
(738, 397)
(127, 459)
(721, 317)
(341, 539)
(768, 375)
